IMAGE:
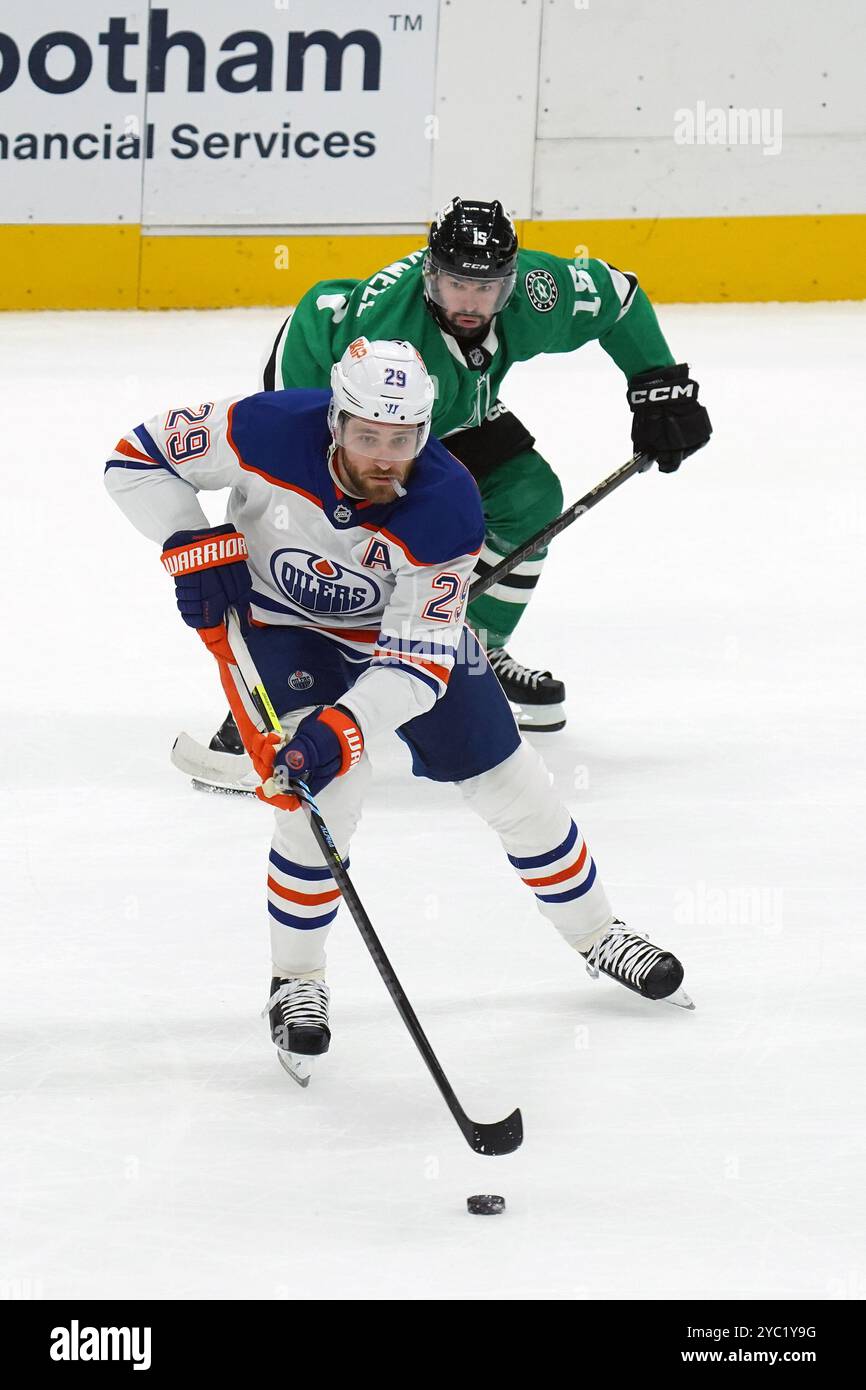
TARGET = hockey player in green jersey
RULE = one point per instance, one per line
(473, 304)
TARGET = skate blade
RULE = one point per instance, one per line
(539, 719)
(296, 1066)
(219, 789)
(679, 999)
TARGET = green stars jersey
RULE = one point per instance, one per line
(556, 306)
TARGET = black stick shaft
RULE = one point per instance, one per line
(379, 957)
(637, 464)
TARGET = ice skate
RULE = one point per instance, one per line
(539, 697)
(635, 962)
(298, 1013)
(227, 739)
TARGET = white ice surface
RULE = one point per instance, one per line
(709, 626)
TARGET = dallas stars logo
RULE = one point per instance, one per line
(541, 289)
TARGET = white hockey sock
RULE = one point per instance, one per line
(302, 896)
(543, 844)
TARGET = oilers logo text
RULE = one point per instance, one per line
(315, 584)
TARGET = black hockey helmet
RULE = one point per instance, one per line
(471, 240)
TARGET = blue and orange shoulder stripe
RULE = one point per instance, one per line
(138, 451)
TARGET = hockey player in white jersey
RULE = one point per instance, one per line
(348, 550)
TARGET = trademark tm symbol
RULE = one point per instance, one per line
(405, 21)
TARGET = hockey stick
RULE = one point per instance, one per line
(639, 463)
(502, 1137)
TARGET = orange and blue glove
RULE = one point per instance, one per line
(210, 575)
(209, 569)
(326, 744)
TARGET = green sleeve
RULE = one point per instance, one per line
(597, 301)
(308, 351)
(635, 342)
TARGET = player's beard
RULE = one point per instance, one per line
(468, 332)
(372, 490)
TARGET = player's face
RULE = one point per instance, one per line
(372, 454)
(468, 305)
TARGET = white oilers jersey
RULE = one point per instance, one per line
(387, 582)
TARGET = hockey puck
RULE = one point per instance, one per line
(485, 1204)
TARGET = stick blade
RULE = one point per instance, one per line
(211, 770)
(493, 1140)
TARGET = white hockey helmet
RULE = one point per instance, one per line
(384, 381)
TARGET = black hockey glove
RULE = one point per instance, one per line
(668, 423)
